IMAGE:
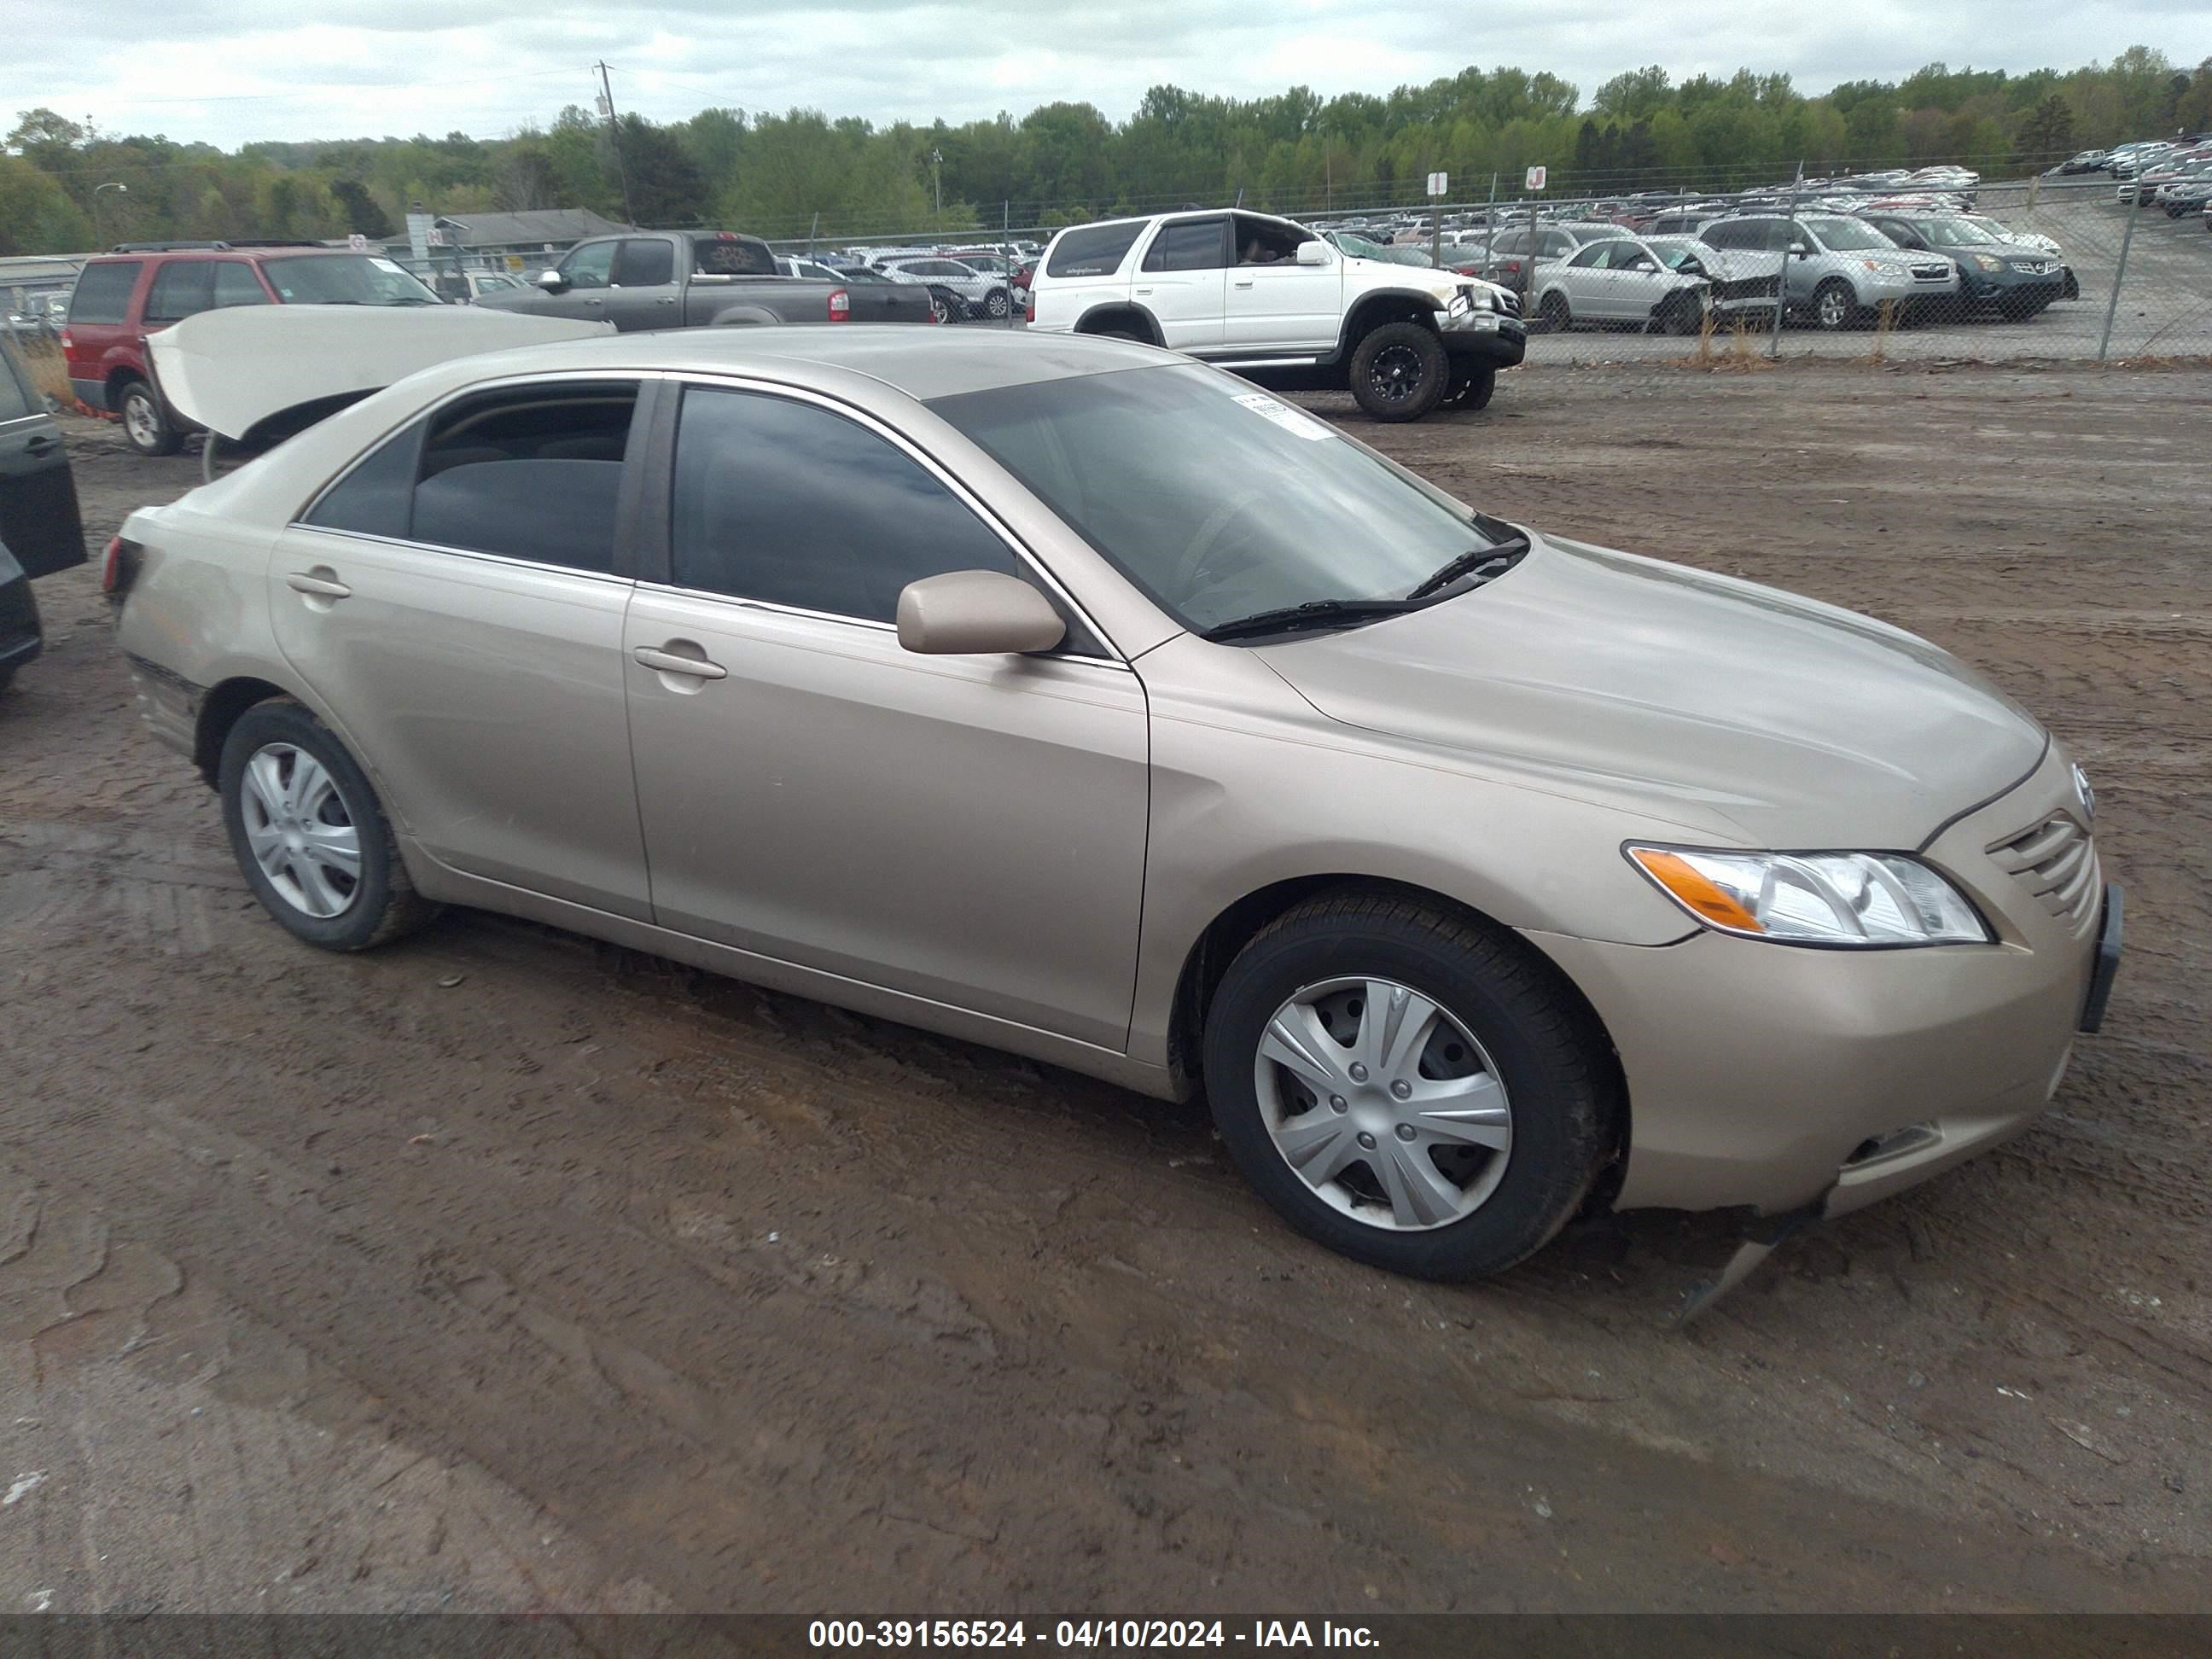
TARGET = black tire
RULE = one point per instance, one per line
(148, 425)
(2071, 288)
(943, 307)
(1835, 305)
(1472, 388)
(7, 679)
(1683, 315)
(1399, 372)
(1554, 314)
(1137, 335)
(997, 304)
(1543, 1047)
(383, 904)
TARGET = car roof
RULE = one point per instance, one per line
(920, 361)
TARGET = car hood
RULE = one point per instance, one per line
(1701, 698)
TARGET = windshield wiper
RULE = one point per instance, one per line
(1502, 553)
(1313, 613)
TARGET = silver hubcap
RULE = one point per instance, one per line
(1832, 308)
(1383, 1103)
(302, 835)
(138, 420)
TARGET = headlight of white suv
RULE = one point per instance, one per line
(1855, 899)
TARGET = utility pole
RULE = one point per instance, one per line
(614, 136)
(937, 179)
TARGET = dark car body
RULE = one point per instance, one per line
(40, 531)
(2002, 277)
(699, 278)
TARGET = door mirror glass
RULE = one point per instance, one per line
(976, 613)
(550, 281)
(1799, 249)
(1313, 253)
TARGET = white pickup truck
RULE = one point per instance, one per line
(1273, 301)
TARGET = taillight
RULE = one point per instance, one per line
(840, 306)
(1029, 307)
(119, 568)
(68, 344)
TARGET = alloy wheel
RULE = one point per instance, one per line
(140, 420)
(1383, 1103)
(301, 834)
(1396, 374)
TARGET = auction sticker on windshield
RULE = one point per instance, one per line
(1293, 420)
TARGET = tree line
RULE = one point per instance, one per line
(804, 173)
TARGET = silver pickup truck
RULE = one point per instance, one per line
(696, 278)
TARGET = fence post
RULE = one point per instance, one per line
(1781, 273)
(2119, 275)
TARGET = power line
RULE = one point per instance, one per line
(614, 136)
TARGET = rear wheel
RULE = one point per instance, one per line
(1407, 1086)
(997, 303)
(1399, 372)
(941, 308)
(1472, 388)
(146, 423)
(309, 834)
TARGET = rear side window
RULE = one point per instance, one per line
(787, 503)
(529, 473)
(103, 292)
(1093, 251)
(182, 288)
(649, 262)
(715, 256)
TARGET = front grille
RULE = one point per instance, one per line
(1746, 287)
(2037, 267)
(1508, 302)
(2056, 862)
(1930, 273)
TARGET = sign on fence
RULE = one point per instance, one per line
(1438, 183)
(1536, 177)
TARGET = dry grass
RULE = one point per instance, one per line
(49, 371)
(1740, 357)
(1884, 324)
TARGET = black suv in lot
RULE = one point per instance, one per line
(40, 529)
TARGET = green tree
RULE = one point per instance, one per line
(2049, 127)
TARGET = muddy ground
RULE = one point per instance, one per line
(505, 1270)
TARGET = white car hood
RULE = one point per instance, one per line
(230, 370)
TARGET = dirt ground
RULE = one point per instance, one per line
(505, 1270)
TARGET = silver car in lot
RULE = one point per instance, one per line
(973, 293)
(1622, 280)
(1065, 695)
(1836, 271)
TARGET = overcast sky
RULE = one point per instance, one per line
(232, 71)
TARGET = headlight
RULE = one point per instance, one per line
(1462, 300)
(1986, 262)
(1884, 267)
(1857, 899)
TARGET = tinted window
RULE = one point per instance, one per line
(1093, 251)
(182, 288)
(344, 279)
(787, 503)
(1729, 233)
(590, 265)
(103, 292)
(647, 261)
(731, 256)
(373, 499)
(1189, 245)
(532, 474)
(235, 284)
(16, 398)
(1591, 258)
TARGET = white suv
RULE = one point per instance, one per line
(1273, 301)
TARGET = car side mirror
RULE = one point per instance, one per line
(551, 280)
(974, 613)
(1312, 253)
(1801, 250)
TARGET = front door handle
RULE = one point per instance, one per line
(668, 662)
(326, 587)
(1247, 282)
(44, 444)
(666, 300)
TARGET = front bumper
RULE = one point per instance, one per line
(2010, 288)
(1483, 336)
(1768, 1076)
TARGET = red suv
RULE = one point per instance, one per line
(141, 287)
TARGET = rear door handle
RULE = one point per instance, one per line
(44, 444)
(668, 662)
(301, 581)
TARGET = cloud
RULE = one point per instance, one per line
(227, 71)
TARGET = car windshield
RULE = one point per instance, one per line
(1847, 235)
(1216, 499)
(1358, 247)
(344, 279)
(1955, 233)
(1673, 255)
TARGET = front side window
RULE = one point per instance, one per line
(235, 284)
(787, 503)
(102, 293)
(1213, 498)
(344, 279)
(527, 472)
(590, 266)
(182, 289)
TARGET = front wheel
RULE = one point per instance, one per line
(1552, 314)
(1407, 1086)
(941, 309)
(1834, 305)
(997, 304)
(1400, 372)
(146, 423)
(309, 835)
